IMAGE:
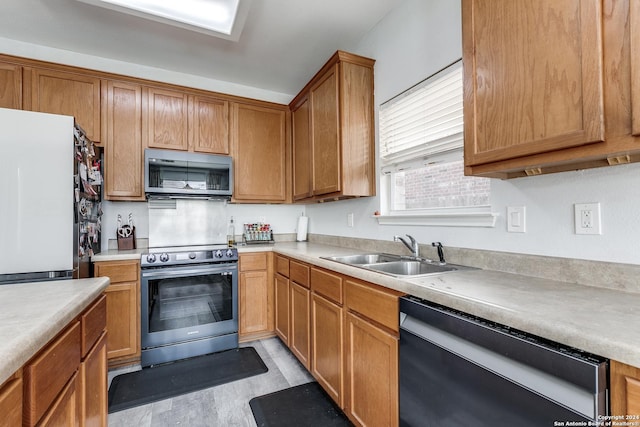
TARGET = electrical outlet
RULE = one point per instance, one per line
(350, 220)
(587, 218)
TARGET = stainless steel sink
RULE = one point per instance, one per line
(373, 258)
(409, 268)
(396, 265)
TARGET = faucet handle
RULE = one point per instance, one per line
(440, 251)
(413, 241)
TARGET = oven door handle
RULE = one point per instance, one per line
(225, 271)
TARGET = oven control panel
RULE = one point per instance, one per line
(161, 257)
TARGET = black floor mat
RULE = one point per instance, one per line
(184, 376)
(306, 405)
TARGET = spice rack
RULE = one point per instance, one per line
(257, 233)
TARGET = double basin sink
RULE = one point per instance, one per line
(396, 265)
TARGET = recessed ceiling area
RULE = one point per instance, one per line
(282, 45)
(218, 18)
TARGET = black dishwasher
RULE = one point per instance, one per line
(459, 370)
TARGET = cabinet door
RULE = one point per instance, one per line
(11, 401)
(625, 389)
(208, 125)
(327, 346)
(326, 170)
(69, 94)
(123, 320)
(529, 91)
(253, 295)
(93, 386)
(65, 411)
(10, 86)
(301, 151)
(259, 153)
(282, 308)
(167, 119)
(122, 137)
(300, 338)
(372, 399)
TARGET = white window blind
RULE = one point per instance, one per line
(424, 124)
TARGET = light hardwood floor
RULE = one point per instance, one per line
(225, 405)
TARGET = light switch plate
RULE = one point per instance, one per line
(516, 219)
(587, 218)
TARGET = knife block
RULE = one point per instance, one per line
(129, 242)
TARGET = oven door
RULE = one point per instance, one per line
(188, 303)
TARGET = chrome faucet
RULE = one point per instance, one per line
(413, 247)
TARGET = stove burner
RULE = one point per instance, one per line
(188, 255)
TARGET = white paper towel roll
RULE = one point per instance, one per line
(303, 223)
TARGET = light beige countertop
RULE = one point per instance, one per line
(598, 320)
(31, 314)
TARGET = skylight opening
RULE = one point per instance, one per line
(221, 18)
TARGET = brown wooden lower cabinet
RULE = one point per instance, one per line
(255, 294)
(625, 389)
(65, 383)
(123, 310)
(327, 346)
(282, 307)
(11, 400)
(93, 385)
(65, 411)
(371, 390)
(346, 332)
(300, 338)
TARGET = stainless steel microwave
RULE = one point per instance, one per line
(181, 174)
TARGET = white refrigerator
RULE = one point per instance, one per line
(36, 196)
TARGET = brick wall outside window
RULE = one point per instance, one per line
(439, 186)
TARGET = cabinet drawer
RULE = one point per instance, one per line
(11, 400)
(299, 273)
(93, 322)
(252, 262)
(282, 265)
(327, 284)
(46, 374)
(118, 272)
(374, 303)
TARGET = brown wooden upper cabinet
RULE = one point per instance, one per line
(333, 135)
(259, 150)
(167, 119)
(122, 139)
(208, 125)
(548, 85)
(10, 86)
(70, 94)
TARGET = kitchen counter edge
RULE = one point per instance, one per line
(31, 314)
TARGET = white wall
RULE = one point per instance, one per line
(411, 43)
(283, 218)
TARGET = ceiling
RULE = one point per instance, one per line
(283, 44)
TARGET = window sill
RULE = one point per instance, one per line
(470, 219)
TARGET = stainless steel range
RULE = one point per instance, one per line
(189, 303)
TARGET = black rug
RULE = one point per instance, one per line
(184, 376)
(306, 405)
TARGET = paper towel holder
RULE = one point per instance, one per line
(301, 231)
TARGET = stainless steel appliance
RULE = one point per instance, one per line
(179, 174)
(459, 370)
(50, 205)
(189, 303)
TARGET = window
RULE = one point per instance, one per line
(421, 156)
